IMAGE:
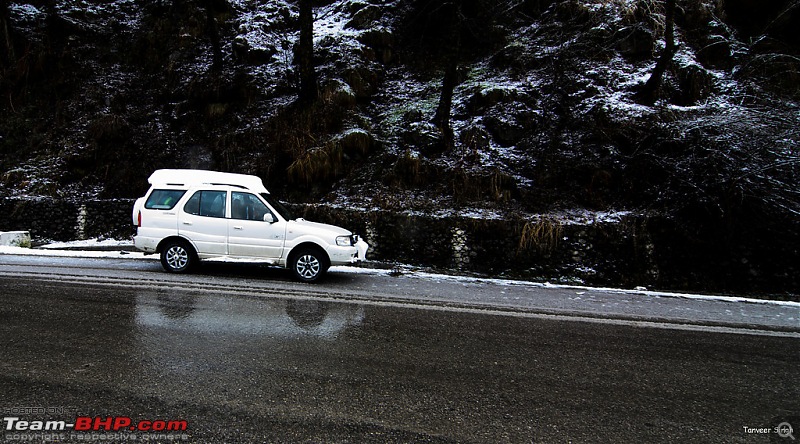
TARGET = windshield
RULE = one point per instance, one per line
(282, 210)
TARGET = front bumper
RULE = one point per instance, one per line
(361, 253)
(348, 255)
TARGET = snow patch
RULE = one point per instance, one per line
(88, 243)
(581, 290)
(25, 11)
(115, 254)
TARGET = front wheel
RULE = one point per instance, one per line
(309, 264)
(177, 257)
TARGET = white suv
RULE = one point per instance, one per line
(188, 215)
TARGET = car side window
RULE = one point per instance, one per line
(206, 203)
(246, 206)
(163, 199)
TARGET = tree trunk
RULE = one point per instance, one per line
(650, 91)
(213, 34)
(442, 117)
(7, 54)
(305, 54)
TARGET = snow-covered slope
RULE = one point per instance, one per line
(545, 116)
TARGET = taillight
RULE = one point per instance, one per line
(139, 219)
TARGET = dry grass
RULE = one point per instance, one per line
(542, 235)
(326, 163)
(500, 186)
(215, 110)
(317, 165)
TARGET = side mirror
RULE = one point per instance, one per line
(270, 218)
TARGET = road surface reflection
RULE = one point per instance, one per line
(280, 318)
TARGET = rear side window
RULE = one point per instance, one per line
(163, 199)
(206, 203)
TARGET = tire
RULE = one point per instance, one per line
(309, 264)
(177, 257)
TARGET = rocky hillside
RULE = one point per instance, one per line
(497, 108)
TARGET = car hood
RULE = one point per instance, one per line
(317, 228)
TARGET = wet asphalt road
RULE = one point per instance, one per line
(286, 368)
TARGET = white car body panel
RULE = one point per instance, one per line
(209, 235)
(257, 239)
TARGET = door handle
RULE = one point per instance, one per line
(186, 222)
(237, 228)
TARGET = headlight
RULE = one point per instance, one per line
(345, 241)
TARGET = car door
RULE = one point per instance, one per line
(203, 221)
(249, 235)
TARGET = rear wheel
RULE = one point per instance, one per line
(177, 257)
(309, 264)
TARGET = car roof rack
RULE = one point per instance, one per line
(229, 185)
(187, 177)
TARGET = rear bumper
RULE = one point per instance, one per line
(146, 244)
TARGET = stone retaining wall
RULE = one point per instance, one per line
(597, 253)
(541, 248)
(65, 220)
(628, 251)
